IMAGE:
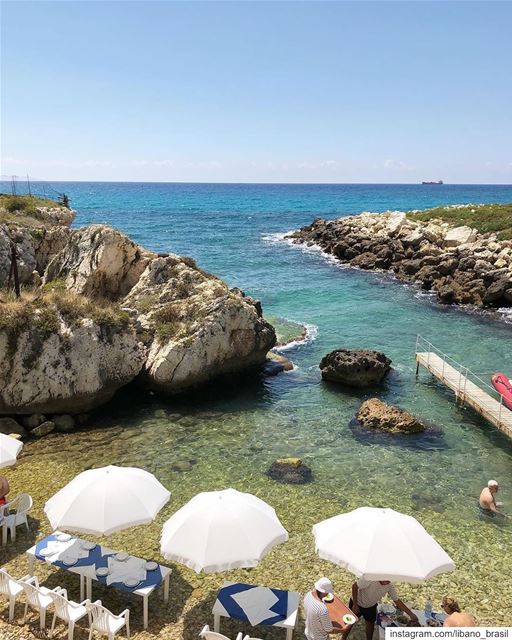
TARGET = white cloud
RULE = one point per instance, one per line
(314, 166)
(397, 165)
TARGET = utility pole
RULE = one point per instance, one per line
(28, 183)
(13, 185)
(13, 273)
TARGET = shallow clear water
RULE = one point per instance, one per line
(229, 436)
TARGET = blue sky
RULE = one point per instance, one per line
(257, 91)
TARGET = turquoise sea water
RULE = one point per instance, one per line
(229, 436)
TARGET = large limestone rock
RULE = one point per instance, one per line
(355, 368)
(458, 236)
(58, 216)
(72, 369)
(99, 262)
(26, 251)
(375, 414)
(201, 329)
(36, 237)
(51, 242)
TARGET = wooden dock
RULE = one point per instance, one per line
(466, 391)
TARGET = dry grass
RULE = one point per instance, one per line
(23, 210)
(41, 310)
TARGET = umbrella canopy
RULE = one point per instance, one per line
(9, 449)
(101, 501)
(221, 530)
(381, 544)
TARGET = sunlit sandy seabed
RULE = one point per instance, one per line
(231, 441)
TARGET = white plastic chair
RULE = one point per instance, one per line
(10, 588)
(38, 598)
(68, 611)
(213, 635)
(21, 505)
(106, 622)
(251, 638)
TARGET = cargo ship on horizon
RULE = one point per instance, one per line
(432, 182)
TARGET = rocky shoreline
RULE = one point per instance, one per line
(98, 312)
(458, 264)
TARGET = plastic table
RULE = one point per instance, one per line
(289, 623)
(86, 567)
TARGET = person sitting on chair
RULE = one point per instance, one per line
(4, 490)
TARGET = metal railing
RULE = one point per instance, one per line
(424, 345)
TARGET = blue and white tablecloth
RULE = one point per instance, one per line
(91, 560)
(256, 605)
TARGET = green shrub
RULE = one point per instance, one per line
(485, 218)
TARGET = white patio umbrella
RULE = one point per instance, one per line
(102, 501)
(221, 530)
(381, 544)
(9, 450)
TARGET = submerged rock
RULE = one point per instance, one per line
(276, 363)
(355, 368)
(64, 423)
(43, 429)
(428, 502)
(290, 471)
(9, 425)
(33, 421)
(375, 414)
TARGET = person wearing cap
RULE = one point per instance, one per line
(318, 623)
(487, 500)
(366, 595)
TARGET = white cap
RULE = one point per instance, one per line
(324, 585)
(492, 483)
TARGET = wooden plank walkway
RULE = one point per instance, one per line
(467, 392)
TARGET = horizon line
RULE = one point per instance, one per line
(444, 184)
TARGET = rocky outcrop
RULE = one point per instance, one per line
(375, 414)
(99, 262)
(37, 237)
(106, 312)
(355, 368)
(290, 471)
(456, 263)
(70, 368)
(200, 328)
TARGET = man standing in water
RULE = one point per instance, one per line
(487, 500)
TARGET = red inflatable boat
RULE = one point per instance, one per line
(503, 385)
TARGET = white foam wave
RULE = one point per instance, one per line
(506, 313)
(309, 336)
(275, 237)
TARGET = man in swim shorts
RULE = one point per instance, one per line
(487, 500)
